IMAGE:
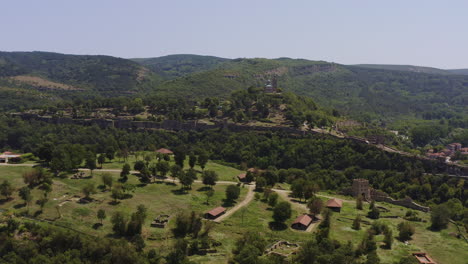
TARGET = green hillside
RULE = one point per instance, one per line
(96, 73)
(173, 66)
(364, 93)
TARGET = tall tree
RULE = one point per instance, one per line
(6, 189)
(101, 215)
(282, 212)
(202, 159)
(209, 178)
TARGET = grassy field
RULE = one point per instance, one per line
(441, 246)
(159, 198)
(225, 173)
(166, 198)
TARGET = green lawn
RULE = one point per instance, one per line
(442, 247)
(166, 198)
(225, 173)
(159, 198)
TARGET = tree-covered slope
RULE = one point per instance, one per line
(96, 73)
(413, 68)
(173, 66)
(363, 93)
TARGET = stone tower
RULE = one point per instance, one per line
(361, 186)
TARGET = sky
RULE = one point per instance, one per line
(417, 32)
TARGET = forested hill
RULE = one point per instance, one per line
(173, 66)
(46, 70)
(412, 68)
(364, 93)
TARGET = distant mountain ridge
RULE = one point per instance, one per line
(412, 68)
(87, 72)
(173, 66)
(365, 92)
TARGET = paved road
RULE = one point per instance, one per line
(248, 198)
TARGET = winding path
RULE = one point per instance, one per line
(246, 201)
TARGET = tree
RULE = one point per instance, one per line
(119, 223)
(179, 156)
(88, 189)
(107, 180)
(209, 193)
(6, 189)
(42, 202)
(440, 217)
(406, 230)
(374, 213)
(124, 173)
(139, 242)
(101, 159)
(91, 162)
(163, 167)
(367, 244)
(110, 152)
(186, 179)
(282, 212)
(357, 223)
(192, 160)
(209, 177)
(273, 199)
(139, 165)
(388, 238)
(315, 205)
(232, 192)
(260, 183)
(47, 188)
(101, 215)
(117, 193)
(176, 171)
(297, 188)
(326, 221)
(359, 201)
(202, 159)
(25, 194)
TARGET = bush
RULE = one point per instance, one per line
(406, 230)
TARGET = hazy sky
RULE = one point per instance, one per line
(419, 32)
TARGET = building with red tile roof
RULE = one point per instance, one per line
(334, 204)
(164, 151)
(215, 213)
(302, 222)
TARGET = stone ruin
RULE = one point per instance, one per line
(362, 187)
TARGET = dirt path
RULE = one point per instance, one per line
(248, 198)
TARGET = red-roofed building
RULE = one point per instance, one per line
(7, 155)
(242, 176)
(335, 204)
(164, 151)
(302, 222)
(215, 213)
(423, 258)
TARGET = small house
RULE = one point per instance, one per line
(242, 177)
(7, 155)
(215, 213)
(164, 151)
(335, 204)
(302, 222)
(423, 258)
